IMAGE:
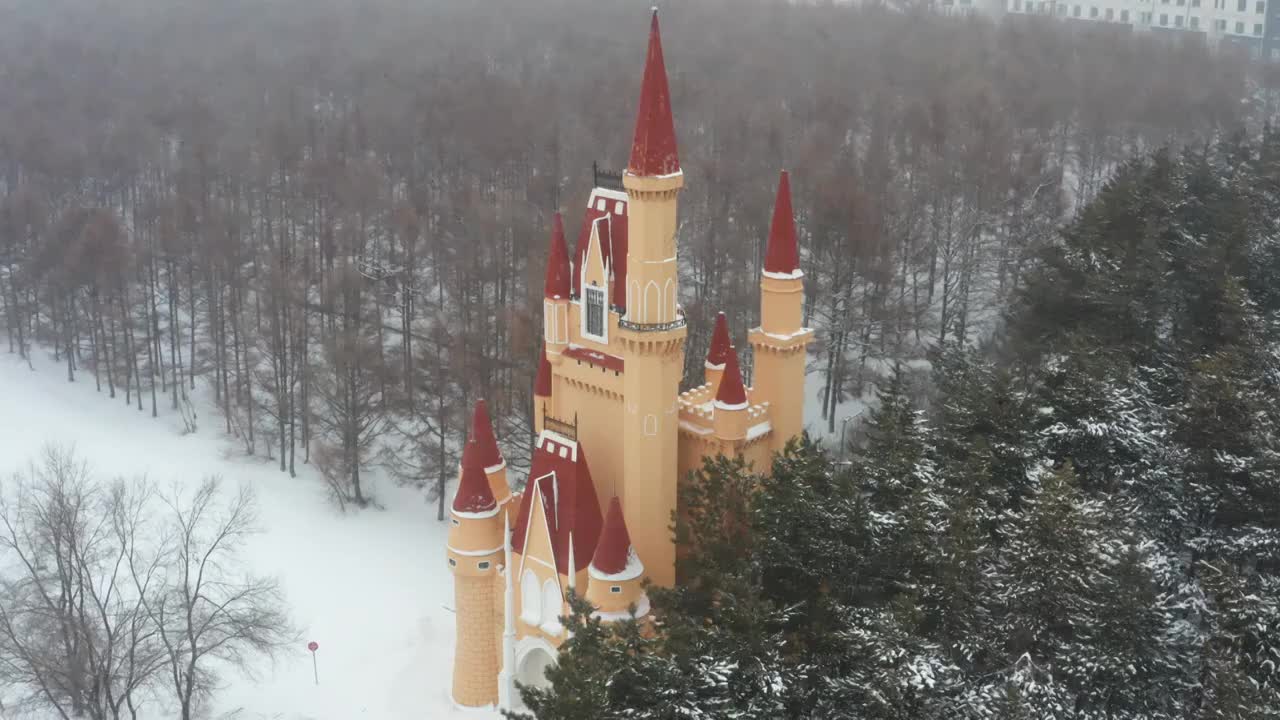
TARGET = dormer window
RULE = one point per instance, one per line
(593, 319)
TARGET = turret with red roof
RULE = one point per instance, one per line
(615, 574)
(555, 291)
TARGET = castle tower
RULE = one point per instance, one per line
(542, 391)
(484, 446)
(475, 549)
(717, 353)
(616, 573)
(731, 404)
(555, 294)
(780, 343)
(652, 334)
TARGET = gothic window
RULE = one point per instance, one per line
(530, 601)
(551, 603)
(594, 297)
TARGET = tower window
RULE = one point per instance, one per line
(594, 297)
(483, 565)
(453, 563)
(615, 589)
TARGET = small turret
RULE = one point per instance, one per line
(779, 345)
(542, 391)
(717, 353)
(555, 302)
(615, 574)
(731, 401)
(476, 549)
(484, 446)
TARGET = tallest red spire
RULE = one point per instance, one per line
(654, 150)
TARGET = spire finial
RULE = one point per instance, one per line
(557, 282)
(731, 395)
(653, 152)
(782, 257)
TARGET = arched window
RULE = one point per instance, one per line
(551, 606)
(530, 605)
(652, 302)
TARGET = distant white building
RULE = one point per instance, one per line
(1241, 22)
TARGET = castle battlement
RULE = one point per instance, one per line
(616, 436)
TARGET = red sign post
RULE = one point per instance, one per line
(313, 646)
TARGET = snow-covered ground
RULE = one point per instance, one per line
(370, 587)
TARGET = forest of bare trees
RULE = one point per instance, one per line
(117, 594)
(333, 216)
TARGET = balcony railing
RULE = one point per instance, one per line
(605, 179)
(651, 327)
(565, 428)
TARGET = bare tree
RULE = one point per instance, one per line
(207, 610)
(72, 627)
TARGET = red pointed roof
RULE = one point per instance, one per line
(559, 476)
(731, 395)
(782, 255)
(654, 150)
(542, 386)
(720, 345)
(474, 495)
(482, 437)
(557, 282)
(614, 547)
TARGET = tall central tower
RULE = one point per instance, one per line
(652, 334)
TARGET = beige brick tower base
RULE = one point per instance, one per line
(475, 669)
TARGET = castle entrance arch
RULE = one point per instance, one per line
(532, 668)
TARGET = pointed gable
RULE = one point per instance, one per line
(782, 256)
(557, 281)
(653, 152)
(595, 263)
(731, 394)
(610, 206)
(720, 348)
(560, 478)
(483, 438)
(613, 551)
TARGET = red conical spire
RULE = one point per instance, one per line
(720, 345)
(614, 547)
(474, 495)
(486, 445)
(782, 255)
(557, 283)
(542, 386)
(731, 395)
(654, 150)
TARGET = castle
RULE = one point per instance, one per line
(615, 433)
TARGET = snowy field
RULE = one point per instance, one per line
(370, 587)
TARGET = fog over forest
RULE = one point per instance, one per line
(333, 216)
